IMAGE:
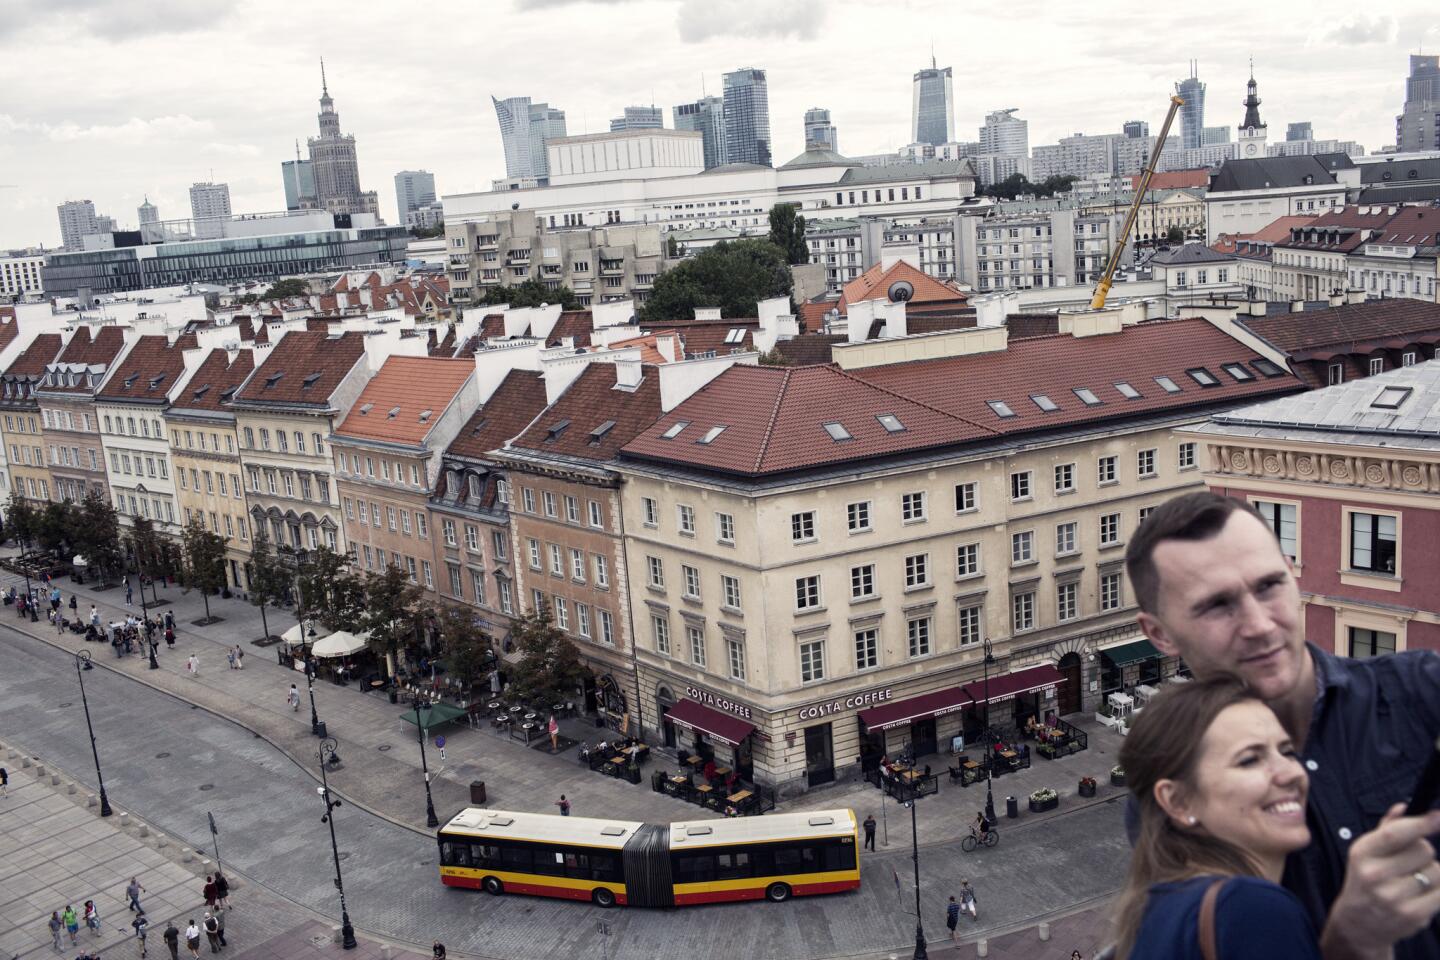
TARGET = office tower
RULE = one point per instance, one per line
(1005, 135)
(524, 128)
(413, 189)
(1192, 114)
(706, 115)
(1211, 136)
(639, 118)
(932, 107)
(1303, 130)
(1418, 128)
(820, 131)
(77, 219)
(747, 117)
(149, 221)
(299, 178)
(209, 209)
(333, 162)
(1135, 129)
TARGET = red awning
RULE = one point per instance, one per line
(1008, 685)
(721, 726)
(891, 715)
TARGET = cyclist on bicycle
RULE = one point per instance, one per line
(980, 827)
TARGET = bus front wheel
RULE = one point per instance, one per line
(777, 893)
(493, 886)
(603, 897)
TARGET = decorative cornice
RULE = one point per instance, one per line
(1394, 473)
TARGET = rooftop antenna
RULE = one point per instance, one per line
(324, 87)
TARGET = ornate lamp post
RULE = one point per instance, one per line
(418, 700)
(347, 932)
(920, 952)
(29, 591)
(82, 663)
(310, 686)
(989, 793)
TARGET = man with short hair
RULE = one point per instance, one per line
(1214, 588)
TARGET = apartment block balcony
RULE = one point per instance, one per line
(487, 242)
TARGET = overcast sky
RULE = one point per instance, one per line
(113, 100)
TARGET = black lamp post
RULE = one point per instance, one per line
(29, 590)
(920, 952)
(431, 820)
(82, 663)
(347, 932)
(310, 685)
(989, 754)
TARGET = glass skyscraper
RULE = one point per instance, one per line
(524, 129)
(820, 131)
(706, 115)
(932, 109)
(1192, 114)
(747, 117)
(639, 118)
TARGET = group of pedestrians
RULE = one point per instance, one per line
(216, 894)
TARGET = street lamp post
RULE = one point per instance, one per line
(310, 685)
(920, 952)
(431, 820)
(347, 932)
(989, 755)
(82, 663)
(29, 590)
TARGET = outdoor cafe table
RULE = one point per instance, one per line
(722, 771)
(1123, 703)
(738, 797)
(1144, 692)
(495, 705)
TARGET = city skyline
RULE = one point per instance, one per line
(154, 137)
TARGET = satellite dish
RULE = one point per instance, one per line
(515, 205)
(901, 291)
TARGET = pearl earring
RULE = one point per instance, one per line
(1191, 820)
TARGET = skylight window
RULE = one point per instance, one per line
(1266, 367)
(598, 434)
(1001, 408)
(1203, 377)
(273, 379)
(201, 392)
(425, 415)
(1238, 371)
(1126, 390)
(1087, 396)
(366, 408)
(735, 335)
(837, 431)
(393, 413)
(1167, 385)
(310, 381)
(228, 394)
(711, 434)
(675, 430)
(1391, 398)
(555, 429)
(1044, 402)
(891, 423)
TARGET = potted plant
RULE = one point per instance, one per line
(1087, 786)
(1044, 799)
(1117, 776)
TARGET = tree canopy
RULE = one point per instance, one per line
(531, 293)
(549, 669)
(329, 591)
(1018, 185)
(787, 231)
(467, 652)
(392, 602)
(269, 579)
(732, 275)
(203, 566)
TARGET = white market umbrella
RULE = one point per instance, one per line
(341, 643)
(295, 636)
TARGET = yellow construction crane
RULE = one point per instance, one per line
(1102, 289)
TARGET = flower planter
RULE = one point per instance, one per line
(1117, 779)
(1040, 806)
(1087, 790)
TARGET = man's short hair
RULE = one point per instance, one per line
(1190, 517)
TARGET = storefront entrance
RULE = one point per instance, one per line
(665, 700)
(1069, 695)
(872, 748)
(922, 737)
(819, 755)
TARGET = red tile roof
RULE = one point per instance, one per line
(875, 283)
(215, 381)
(1175, 179)
(572, 323)
(493, 326)
(1411, 226)
(305, 367)
(775, 418)
(811, 314)
(40, 353)
(403, 402)
(1340, 230)
(517, 401)
(149, 370)
(587, 405)
(1373, 321)
(89, 346)
(9, 329)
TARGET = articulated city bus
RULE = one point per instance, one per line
(651, 865)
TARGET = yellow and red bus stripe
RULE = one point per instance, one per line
(566, 888)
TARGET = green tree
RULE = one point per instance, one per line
(203, 562)
(425, 233)
(329, 592)
(732, 275)
(1175, 235)
(467, 651)
(23, 518)
(774, 358)
(269, 578)
(672, 247)
(392, 602)
(787, 231)
(99, 535)
(289, 287)
(549, 668)
(55, 528)
(532, 293)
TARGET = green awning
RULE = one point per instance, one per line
(434, 716)
(1129, 653)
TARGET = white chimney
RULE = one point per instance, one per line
(628, 373)
(710, 314)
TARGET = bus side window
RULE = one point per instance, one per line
(484, 855)
(787, 860)
(455, 853)
(577, 866)
(699, 868)
(763, 859)
(603, 867)
(515, 859)
(733, 866)
(549, 862)
(839, 856)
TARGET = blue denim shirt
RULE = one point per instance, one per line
(1373, 727)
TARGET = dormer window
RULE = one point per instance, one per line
(155, 381)
(425, 415)
(273, 379)
(366, 408)
(201, 392)
(597, 436)
(309, 381)
(553, 432)
(675, 429)
(392, 413)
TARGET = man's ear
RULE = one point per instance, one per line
(1173, 800)
(1156, 632)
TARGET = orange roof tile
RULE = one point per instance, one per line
(403, 402)
(215, 381)
(875, 283)
(1175, 179)
(149, 370)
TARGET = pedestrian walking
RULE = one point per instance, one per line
(92, 917)
(553, 728)
(4, 782)
(212, 931)
(564, 806)
(132, 893)
(192, 939)
(170, 619)
(293, 698)
(220, 931)
(74, 603)
(438, 951)
(967, 901)
(952, 917)
(210, 892)
(172, 940)
(94, 617)
(141, 925)
(1075, 955)
(869, 826)
(222, 890)
(239, 658)
(129, 593)
(170, 637)
(72, 924)
(56, 925)
(230, 658)
(192, 666)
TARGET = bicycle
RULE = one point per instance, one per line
(989, 838)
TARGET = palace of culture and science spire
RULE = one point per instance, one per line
(334, 165)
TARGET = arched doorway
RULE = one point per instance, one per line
(1069, 694)
(664, 700)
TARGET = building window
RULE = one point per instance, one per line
(912, 507)
(1372, 542)
(1065, 478)
(652, 511)
(548, 499)
(812, 661)
(1145, 463)
(917, 634)
(736, 650)
(1022, 547)
(507, 596)
(596, 517)
(867, 649)
(917, 571)
(967, 560)
(802, 527)
(691, 576)
(456, 588)
(807, 593)
(472, 536)
(686, 517)
(1109, 529)
(1105, 470)
(534, 553)
(971, 620)
(725, 528)
(1186, 458)
(1377, 365)
(964, 497)
(1066, 607)
(497, 541)
(1110, 591)
(577, 565)
(477, 583)
(1065, 538)
(1022, 611)
(862, 582)
(696, 638)
(562, 613)
(660, 627)
(1283, 519)
(1336, 373)
(1020, 485)
(1370, 643)
(602, 571)
(857, 516)
(656, 570)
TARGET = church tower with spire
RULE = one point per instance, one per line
(333, 162)
(1253, 135)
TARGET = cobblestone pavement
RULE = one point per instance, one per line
(171, 762)
(382, 758)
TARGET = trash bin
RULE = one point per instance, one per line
(477, 792)
(320, 728)
(1012, 807)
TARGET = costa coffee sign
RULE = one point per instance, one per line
(816, 710)
(719, 703)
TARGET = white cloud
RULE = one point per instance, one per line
(1363, 30)
(701, 20)
(114, 20)
(132, 131)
